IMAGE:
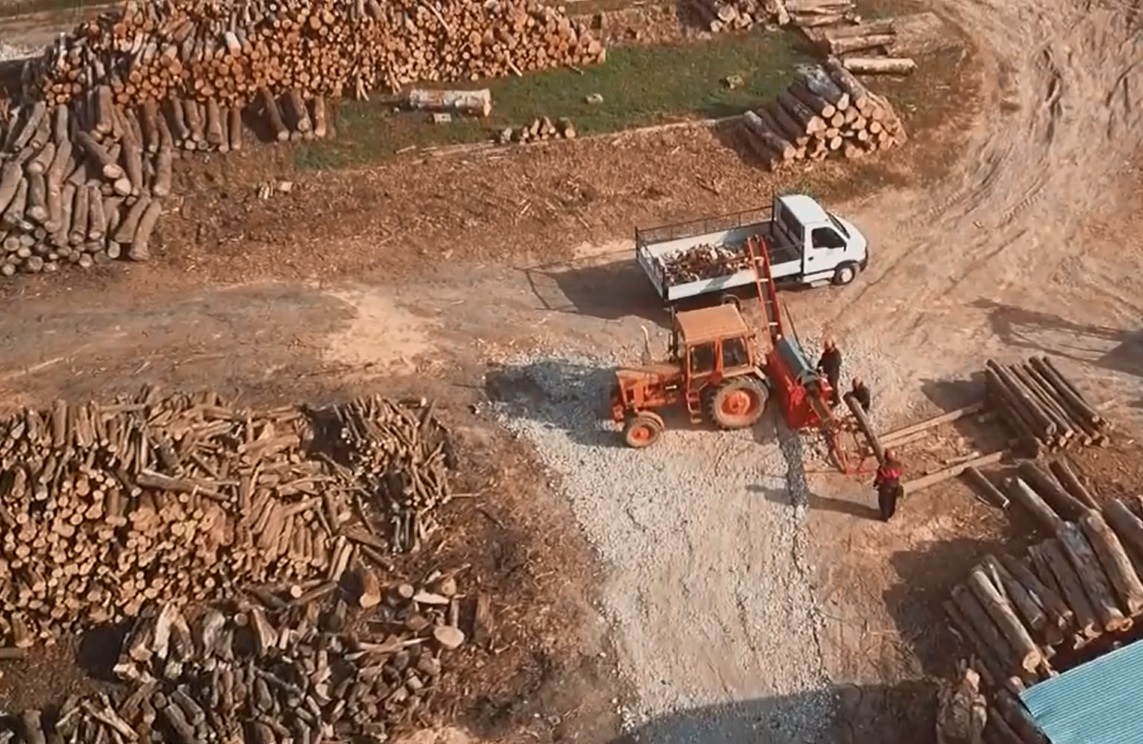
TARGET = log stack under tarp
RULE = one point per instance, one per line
(106, 508)
(825, 112)
(1015, 614)
(1044, 410)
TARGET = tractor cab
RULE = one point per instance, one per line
(712, 367)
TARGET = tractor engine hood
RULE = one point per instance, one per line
(650, 373)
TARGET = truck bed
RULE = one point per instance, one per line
(686, 265)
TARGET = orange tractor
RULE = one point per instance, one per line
(715, 369)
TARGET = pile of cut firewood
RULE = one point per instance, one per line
(539, 130)
(86, 158)
(703, 262)
(105, 508)
(1082, 582)
(825, 112)
(1042, 407)
(291, 672)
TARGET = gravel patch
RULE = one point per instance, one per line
(708, 585)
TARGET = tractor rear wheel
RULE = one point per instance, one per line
(737, 403)
(642, 430)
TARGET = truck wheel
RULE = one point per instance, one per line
(642, 430)
(845, 274)
(729, 299)
(738, 403)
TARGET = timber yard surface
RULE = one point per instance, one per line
(301, 301)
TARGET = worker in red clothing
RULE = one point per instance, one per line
(888, 485)
(829, 364)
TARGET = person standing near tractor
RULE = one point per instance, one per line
(830, 365)
(860, 393)
(888, 485)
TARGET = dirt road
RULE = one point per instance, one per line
(1026, 248)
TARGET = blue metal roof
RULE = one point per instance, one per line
(1095, 703)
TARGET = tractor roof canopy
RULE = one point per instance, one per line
(711, 323)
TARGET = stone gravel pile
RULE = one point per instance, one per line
(709, 568)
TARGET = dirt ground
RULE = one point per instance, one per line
(414, 275)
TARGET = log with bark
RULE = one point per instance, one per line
(1053, 566)
(1115, 562)
(1024, 649)
(1092, 577)
(228, 497)
(1043, 408)
(880, 65)
(826, 111)
(468, 102)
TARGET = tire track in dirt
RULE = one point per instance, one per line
(1011, 213)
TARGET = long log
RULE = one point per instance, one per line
(850, 44)
(1052, 492)
(990, 672)
(1027, 653)
(1046, 403)
(1127, 526)
(771, 139)
(471, 102)
(1083, 429)
(140, 243)
(1018, 717)
(787, 127)
(1066, 390)
(1115, 562)
(1057, 611)
(952, 471)
(1092, 577)
(880, 65)
(1002, 656)
(818, 82)
(1010, 416)
(859, 96)
(865, 427)
(880, 26)
(984, 487)
(1056, 564)
(1072, 484)
(1023, 600)
(10, 176)
(816, 103)
(274, 115)
(99, 156)
(810, 122)
(998, 731)
(1023, 399)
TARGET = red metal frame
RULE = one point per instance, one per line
(804, 407)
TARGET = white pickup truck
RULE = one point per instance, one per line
(808, 245)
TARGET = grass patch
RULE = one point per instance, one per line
(640, 86)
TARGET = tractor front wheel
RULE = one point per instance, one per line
(738, 403)
(642, 431)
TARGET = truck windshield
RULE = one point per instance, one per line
(837, 223)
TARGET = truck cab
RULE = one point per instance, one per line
(812, 244)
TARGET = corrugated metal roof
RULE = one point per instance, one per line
(1095, 703)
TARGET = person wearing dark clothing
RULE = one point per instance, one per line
(888, 485)
(860, 393)
(830, 365)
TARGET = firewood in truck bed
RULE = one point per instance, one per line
(703, 262)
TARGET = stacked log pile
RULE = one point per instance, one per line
(703, 262)
(105, 508)
(538, 131)
(743, 15)
(1044, 410)
(247, 673)
(1015, 613)
(86, 159)
(826, 111)
(865, 49)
